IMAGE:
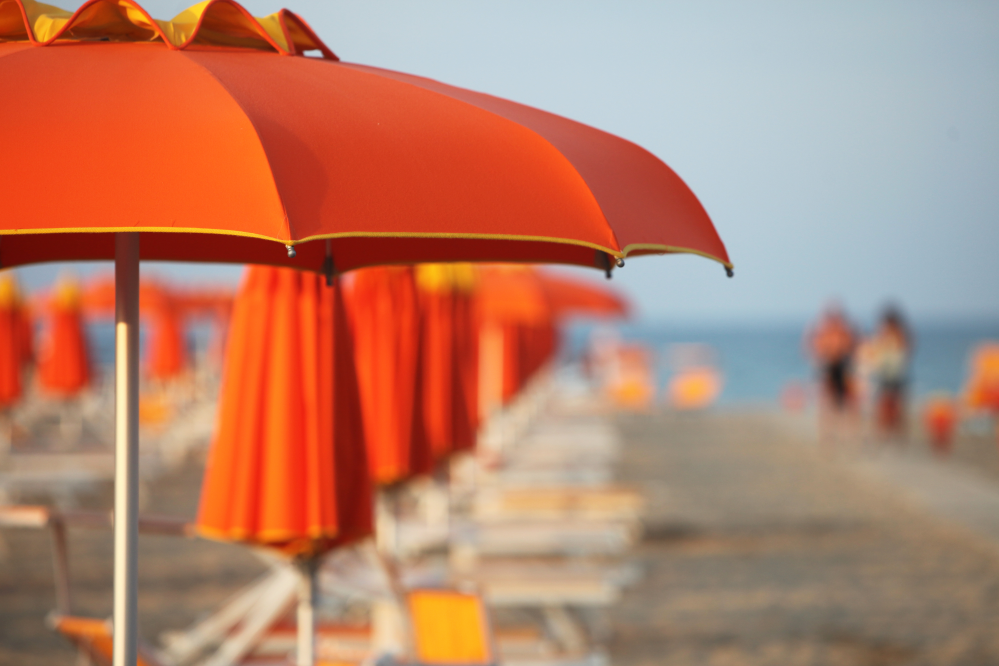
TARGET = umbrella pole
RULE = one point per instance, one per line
(126, 448)
(307, 611)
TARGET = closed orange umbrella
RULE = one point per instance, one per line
(517, 329)
(522, 305)
(166, 350)
(287, 469)
(466, 364)
(386, 321)
(447, 368)
(64, 357)
(11, 343)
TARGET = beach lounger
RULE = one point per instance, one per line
(93, 639)
(450, 627)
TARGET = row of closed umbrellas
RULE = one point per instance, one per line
(313, 372)
(62, 354)
(211, 138)
(328, 392)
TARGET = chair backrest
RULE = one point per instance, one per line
(450, 628)
(92, 637)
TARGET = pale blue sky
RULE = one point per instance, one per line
(842, 149)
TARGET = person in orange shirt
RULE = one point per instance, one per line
(831, 345)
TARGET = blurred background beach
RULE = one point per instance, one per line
(845, 152)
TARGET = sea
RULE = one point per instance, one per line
(757, 361)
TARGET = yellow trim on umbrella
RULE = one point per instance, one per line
(621, 254)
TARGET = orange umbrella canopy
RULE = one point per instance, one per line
(63, 356)
(312, 149)
(13, 328)
(384, 311)
(287, 469)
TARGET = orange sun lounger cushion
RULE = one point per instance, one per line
(450, 628)
(92, 637)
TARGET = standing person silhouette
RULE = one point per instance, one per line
(831, 345)
(890, 352)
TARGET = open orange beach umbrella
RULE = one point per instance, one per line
(210, 138)
(384, 311)
(64, 355)
(312, 149)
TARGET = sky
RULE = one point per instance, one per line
(843, 150)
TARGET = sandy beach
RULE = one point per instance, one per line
(759, 549)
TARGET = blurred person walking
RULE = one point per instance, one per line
(831, 344)
(890, 349)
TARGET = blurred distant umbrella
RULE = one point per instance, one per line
(12, 344)
(516, 328)
(384, 311)
(940, 421)
(328, 166)
(287, 469)
(574, 297)
(520, 307)
(512, 294)
(166, 310)
(166, 347)
(982, 388)
(64, 355)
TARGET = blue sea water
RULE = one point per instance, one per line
(100, 335)
(758, 361)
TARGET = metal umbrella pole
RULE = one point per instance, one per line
(126, 448)
(307, 593)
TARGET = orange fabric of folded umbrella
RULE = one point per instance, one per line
(166, 350)
(12, 347)
(312, 148)
(384, 313)
(516, 312)
(449, 365)
(288, 468)
(64, 356)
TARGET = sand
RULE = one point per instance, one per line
(758, 550)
